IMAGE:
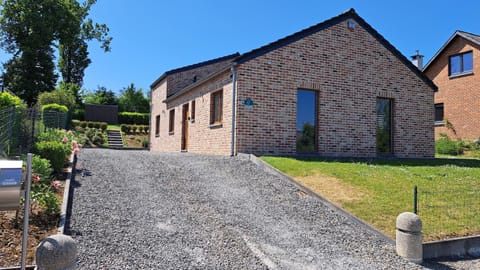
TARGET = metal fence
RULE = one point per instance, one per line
(449, 213)
(19, 127)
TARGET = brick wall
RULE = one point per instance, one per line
(349, 69)
(201, 137)
(180, 80)
(460, 95)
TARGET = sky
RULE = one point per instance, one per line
(151, 37)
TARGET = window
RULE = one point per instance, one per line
(216, 108)
(157, 126)
(384, 126)
(439, 114)
(460, 64)
(192, 112)
(171, 123)
(306, 121)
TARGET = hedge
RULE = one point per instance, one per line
(55, 107)
(133, 118)
(56, 152)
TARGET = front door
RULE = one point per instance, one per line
(185, 128)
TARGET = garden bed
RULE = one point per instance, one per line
(41, 225)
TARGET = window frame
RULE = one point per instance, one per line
(439, 122)
(462, 71)
(171, 122)
(216, 110)
(157, 125)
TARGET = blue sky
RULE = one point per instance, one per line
(153, 36)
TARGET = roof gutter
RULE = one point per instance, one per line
(234, 90)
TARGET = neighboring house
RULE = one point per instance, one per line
(337, 88)
(455, 69)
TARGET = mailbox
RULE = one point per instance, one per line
(10, 182)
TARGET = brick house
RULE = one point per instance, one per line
(337, 88)
(455, 69)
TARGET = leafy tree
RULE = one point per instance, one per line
(73, 50)
(59, 96)
(28, 29)
(133, 100)
(31, 29)
(101, 96)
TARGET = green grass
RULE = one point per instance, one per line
(113, 127)
(385, 189)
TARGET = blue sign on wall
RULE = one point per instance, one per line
(248, 102)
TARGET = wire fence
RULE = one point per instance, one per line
(19, 127)
(449, 213)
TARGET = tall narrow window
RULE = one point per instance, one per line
(171, 122)
(460, 64)
(384, 126)
(216, 108)
(306, 121)
(157, 126)
(439, 114)
(192, 111)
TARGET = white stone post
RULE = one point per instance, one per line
(409, 237)
(56, 252)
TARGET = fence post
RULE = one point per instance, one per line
(415, 200)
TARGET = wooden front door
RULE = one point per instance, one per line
(185, 127)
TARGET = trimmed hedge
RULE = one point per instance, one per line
(134, 128)
(55, 107)
(84, 124)
(133, 118)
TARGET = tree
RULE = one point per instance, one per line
(133, 100)
(28, 29)
(61, 96)
(101, 96)
(73, 49)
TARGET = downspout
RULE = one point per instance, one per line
(234, 86)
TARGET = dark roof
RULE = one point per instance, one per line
(208, 62)
(350, 14)
(468, 36)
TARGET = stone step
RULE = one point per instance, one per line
(115, 139)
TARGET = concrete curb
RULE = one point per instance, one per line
(66, 197)
(268, 168)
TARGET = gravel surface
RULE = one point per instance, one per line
(142, 210)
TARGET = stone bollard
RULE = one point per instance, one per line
(409, 237)
(56, 252)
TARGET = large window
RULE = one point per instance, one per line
(216, 108)
(157, 126)
(439, 114)
(171, 122)
(460, 64)
(384, 125)
(306, 121)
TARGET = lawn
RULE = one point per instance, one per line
(378, 190)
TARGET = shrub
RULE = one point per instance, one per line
(58, 96)
(75, 123)
(447, 146)
(41, 167)
(55, 152)
(145, 129)
(103, 126)
(55, 107)
(133, 118)
(8, 100)
(124, 128)
(44, 196)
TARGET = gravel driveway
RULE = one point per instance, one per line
(142, 210)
